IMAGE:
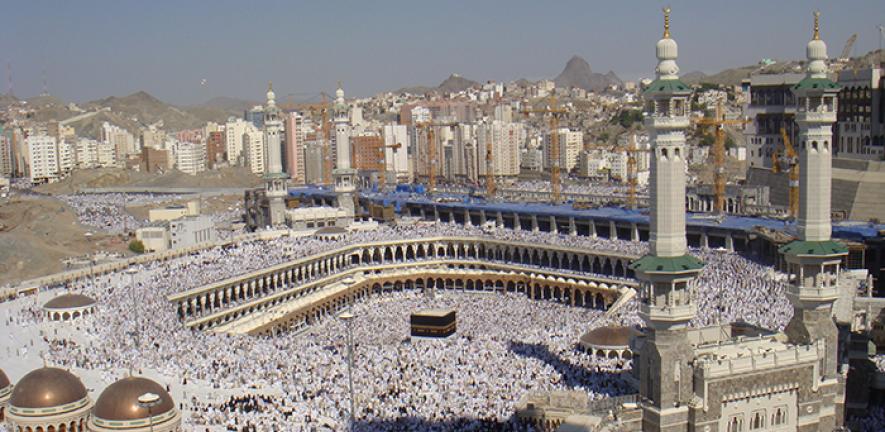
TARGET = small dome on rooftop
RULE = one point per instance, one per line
(47, 387)
(119, 401)
(69, 300)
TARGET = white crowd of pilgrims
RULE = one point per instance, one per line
(107, 212)
(505, 346)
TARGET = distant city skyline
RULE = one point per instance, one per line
(95, 49)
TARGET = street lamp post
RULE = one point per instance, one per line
(131, 271)
(347, 317)
(148, 401)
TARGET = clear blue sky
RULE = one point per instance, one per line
(92, 49)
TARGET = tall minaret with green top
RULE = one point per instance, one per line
(667, 273)
(814, 260)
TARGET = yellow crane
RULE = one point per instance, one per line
(555, 111)
(631, 172)
(491, 189)
(791, 160)
(719, 177)
(431, 151)
(322, 110)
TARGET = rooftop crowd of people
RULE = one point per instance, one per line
(107, 212)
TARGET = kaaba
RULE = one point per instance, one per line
(433, 323)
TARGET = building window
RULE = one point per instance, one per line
(736, 424)
(757, 421)
(779, 417)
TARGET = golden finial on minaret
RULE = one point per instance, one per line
(816, 25)
(667, 22)
(270, 85)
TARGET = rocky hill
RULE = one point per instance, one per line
(577, 73)
(453, 84)
(142, 108)
(218, 109)
(456, 83)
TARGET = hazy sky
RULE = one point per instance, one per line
(92, 49)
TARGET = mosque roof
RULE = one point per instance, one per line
(331, 230)
(47, 387)
(655, 264)
(666, 86)
(819, 248)
(119, 401)
(70, 300)
(811, 83)
(4, 380)
(853, 230)
(608, 336)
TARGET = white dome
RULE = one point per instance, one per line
(667, 49)
(339, 93)
(271, 96)
(816, 52)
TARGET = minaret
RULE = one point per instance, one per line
(345, 176)
(667, 273)
(814, 259)
(276, 186)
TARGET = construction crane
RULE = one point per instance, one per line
(846, 52)
(632, 169)
(490, 167)
(320, 109)
(631, 172)
(791, 160)
(555, 112)
(431, 150)
(719, 178)
(393, 147)
(431, 155)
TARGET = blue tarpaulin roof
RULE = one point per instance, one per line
(845, 230)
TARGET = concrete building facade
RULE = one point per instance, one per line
(43, 154)
(396, 151)
(296, 133)
(860, 129)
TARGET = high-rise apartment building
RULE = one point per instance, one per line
(43, 156)
(190, 158)
(396, 151)
(253, 149)
(505, 139)
(154, 160)
(570, 145)
(123, 141)
(860, 128)
(152, 137)
(6, 159)
(313, 160)
(234, 131)
(368, 153)
(464, 160)
(770, 106)
(215, 149)
(255, 116)
(296, 132)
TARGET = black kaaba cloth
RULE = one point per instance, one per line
(435, 323)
